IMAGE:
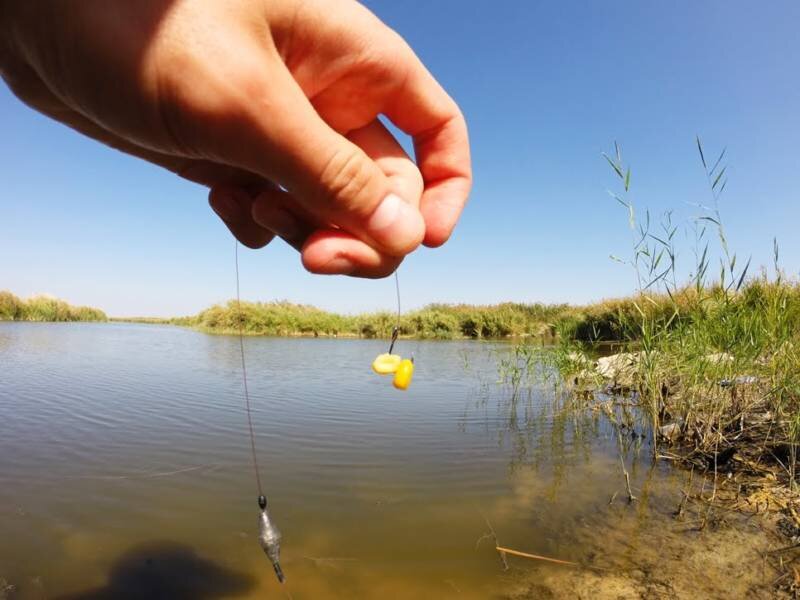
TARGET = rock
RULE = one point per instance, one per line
(760, 418)
(620, 368)
(788, 528)
(718, 358)
(6, 589)
(670, 431)
(739, 380)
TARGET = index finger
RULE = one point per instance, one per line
(423, 110)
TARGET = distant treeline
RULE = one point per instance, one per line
(45, 308)
(440, 321)
(607, 320)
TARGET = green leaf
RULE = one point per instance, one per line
(657, 278)
(719, 176)
(719, 160)
(618, 199)
(658, 259)
(627, 180)
(700, 149)
(614, 165)
(659, 240)
(744, 273)
(703, 259)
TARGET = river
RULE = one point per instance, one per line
(125, 473)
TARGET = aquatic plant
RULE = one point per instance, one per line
(711, 360)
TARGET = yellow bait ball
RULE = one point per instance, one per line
(402, 378)
(385, 364)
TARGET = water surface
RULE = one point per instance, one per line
(125, 470)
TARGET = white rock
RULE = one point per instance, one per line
(718, 358)
(618, 367)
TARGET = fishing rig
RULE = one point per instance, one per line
(388, 363)
(269, 536)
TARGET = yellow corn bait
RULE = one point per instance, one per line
(385, 364)
(403, 375)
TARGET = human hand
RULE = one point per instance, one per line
(271, 103)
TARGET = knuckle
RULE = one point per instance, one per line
(344, 178)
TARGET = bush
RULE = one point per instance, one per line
(10, 307)
(436, 321)
(45, 308)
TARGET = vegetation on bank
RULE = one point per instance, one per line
(45, 308)
(705, 371)
(436, 321)
(708, 370)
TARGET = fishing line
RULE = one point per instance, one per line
(394, 364)
(397, 289)
(240, 320)
(269, 537)
(396, 330)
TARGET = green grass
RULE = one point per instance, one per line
(717, 356)
(687, 343)
(45, 308)
(437, 321)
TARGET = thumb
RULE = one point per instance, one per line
(346, 187)
(330, 176)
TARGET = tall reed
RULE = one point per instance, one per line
(715, 354)
(45, 308)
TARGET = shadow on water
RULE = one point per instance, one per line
(166, 571)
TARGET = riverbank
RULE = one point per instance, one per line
(707, 379)
(436, 321)
(715, 371)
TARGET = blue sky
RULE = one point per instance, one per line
(545, 86)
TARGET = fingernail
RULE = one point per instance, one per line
(398, 221)
(226, 206)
